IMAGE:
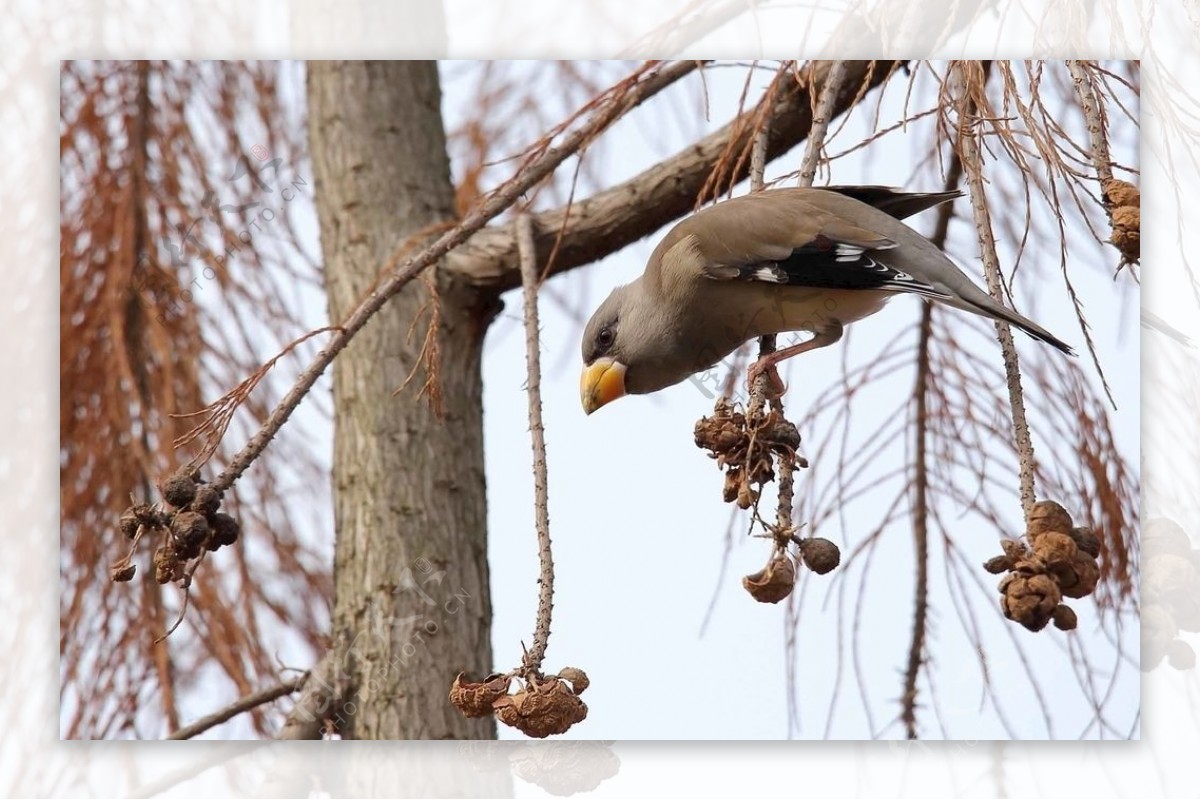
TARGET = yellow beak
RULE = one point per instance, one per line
(602, 382)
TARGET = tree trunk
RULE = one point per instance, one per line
(411, 596)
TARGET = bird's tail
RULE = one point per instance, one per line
(994, 310)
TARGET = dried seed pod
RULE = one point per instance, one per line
(179, 489)
(1128, 218)
(1056, 550)
(475, 698)
(129, 523)
(779, 433)
(733, 484)
(225, 531)
(998, 564)
(207, 501)
(1064, 618)
(1180, 655)
(577, 677)
(121, 573)
(189, 530)
(773, 582)
(820, 555)
(1086, 540)
(1015, 550)
(1079, 577)
(549, 708)
(1121, 193)
(1047, 516)
(1029, 599)
(167, 566)
(1128, 242)
(745, 495)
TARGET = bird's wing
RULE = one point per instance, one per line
(793, 243)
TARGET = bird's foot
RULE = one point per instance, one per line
(775, 387)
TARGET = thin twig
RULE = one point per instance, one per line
(820, 123)
(973, 164)
(239, 706)
(766, 344)
(920, 516)
(916, 648)
(537, 433)
(537, 167)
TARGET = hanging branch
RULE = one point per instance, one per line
(240, 706)
(1092, 113)
(1122, 200)
(771, 439)
(973, 164)
(920, 516)
(537, 434)
(542, 706)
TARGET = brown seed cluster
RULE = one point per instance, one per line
(1060, 561)
(1170, 595)
(746, 448)
(188, 520)
(540, 707)
(1123, 201)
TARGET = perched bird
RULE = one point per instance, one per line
(782, 260)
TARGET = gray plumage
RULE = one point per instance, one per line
(783, 260)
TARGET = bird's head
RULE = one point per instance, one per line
(607, 353)
(628, 348)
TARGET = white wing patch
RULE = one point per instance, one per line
(769, 274)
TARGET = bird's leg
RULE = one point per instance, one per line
(768, 364)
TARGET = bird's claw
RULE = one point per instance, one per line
(775, 387)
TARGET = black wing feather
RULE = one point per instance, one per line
(825, 264)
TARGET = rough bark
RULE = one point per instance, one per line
(411, 596)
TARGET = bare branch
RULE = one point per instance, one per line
(1093, 113)
(239, 706)
(319, 692)
(642, 85)
(616, 217)
(973, 163)
(533, 387)
(820, 124)
(920, 517)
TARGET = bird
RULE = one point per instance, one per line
(791, 259)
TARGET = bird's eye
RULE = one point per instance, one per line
(605, 338)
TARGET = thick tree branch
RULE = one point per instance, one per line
(644, 84)
(616, 217)
(239, 706)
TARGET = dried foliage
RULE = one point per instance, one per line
(184, 188)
